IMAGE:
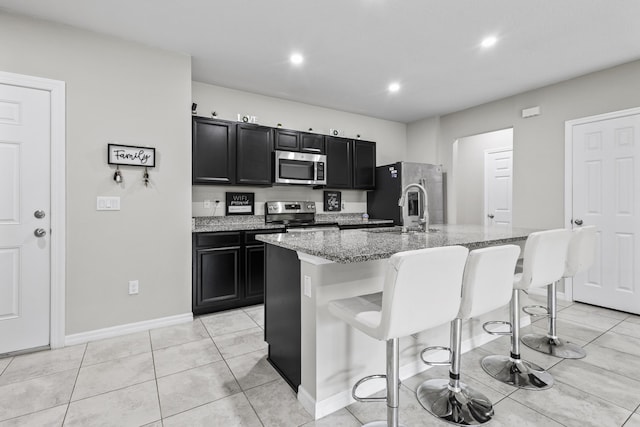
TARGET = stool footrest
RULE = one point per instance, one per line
(435, 348)
(527, 309)
(497, 322)
(367, 399)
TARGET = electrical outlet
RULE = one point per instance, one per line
(307, 286)
(133, 287)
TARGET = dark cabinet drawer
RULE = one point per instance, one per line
(218, 239)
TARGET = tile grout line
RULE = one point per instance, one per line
(73, 389)
(232, 374)
(155, 378)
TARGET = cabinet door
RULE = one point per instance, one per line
(312, 143)
(217, 283)
(255, 145)
(214, 151)
(338, 162)
(364, 165)
(287, 140)
(254, 274)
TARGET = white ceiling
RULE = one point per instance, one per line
(354, 48)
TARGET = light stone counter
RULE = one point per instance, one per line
(350, 246)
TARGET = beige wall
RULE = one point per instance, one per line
(124, 92)
(538, 142)
(390, 138)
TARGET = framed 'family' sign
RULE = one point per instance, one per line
(131, 156)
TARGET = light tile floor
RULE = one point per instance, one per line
(213, 372)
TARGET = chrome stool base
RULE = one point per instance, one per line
(464, 406)
(380, 424)
(553, 346)
(517, 372)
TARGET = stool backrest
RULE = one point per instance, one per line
(422, 289)
(582, 250)
(545, 253)
(488, 280)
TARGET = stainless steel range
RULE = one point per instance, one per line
(296, 216)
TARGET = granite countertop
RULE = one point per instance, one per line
(256, 222)
(349, 246)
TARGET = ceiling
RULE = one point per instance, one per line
(354, 49)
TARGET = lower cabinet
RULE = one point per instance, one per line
(228, 270)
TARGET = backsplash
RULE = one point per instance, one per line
(353, 201)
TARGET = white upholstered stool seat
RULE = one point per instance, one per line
(544, 262)
(421, 290)
(487, 285)
(580, 257)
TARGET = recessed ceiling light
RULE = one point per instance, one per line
(489, 41)
(394, 87)
(296, 59)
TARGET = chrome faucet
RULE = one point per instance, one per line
(424, 221)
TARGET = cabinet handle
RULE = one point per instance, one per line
(317, 150)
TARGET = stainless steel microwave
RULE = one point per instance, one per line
(291, 167)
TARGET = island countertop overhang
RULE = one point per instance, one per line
(349, 246)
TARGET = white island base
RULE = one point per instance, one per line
(334, 356)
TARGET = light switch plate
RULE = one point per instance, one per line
(108, 203)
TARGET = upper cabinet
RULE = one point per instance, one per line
(253, 156)
(286, 140)
(350, 163)
(230, 153)
(364, 165)
(293, 140)
(339, 162)
(214, 151)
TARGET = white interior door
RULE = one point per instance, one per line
(25, 123)
(606, 193)
(498, 184)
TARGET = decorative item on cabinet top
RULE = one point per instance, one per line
(129, 155)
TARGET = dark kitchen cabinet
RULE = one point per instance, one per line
(228, 270)
(214, 151)
(292, 140)
(286, 140)
(253, 155)
(312, 143)
(339, 163)
(229, 153)
(364, 165)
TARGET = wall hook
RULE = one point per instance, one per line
(117, 176)
(145, 177)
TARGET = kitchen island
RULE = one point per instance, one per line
(322, 357)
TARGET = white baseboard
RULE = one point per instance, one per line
(116, 331)
(319, 409)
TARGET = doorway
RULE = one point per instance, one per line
(601, 189)
(471, 189)
(32, 218)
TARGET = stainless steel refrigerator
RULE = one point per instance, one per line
(382, 203)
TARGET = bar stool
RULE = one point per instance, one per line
(580, 256)
(421, 290)
(486, 286)
(545, 253)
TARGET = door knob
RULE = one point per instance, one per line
(578, 222)
(40, 232)
(39, 214)
(491, 216)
